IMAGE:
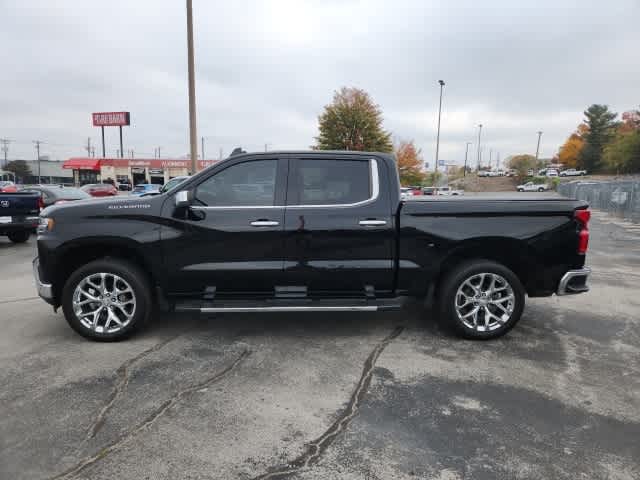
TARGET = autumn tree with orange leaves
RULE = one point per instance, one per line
(570, 150)
(410, 162)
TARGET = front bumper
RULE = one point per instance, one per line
(45, 290)
(573, 282)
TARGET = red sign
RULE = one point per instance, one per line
(110, 119)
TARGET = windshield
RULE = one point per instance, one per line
(70, 193)
(171, 184)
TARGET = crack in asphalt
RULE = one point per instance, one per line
(122, 381)
(151, 419)
(15, 300)
(317, 447)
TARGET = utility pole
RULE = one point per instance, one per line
(490, 157)
(5, 149)
(498, 161)
(193, 134)
(479, 134)
(88, 147)
(266, 146)
(93, 152)
(202, 147)
(159, 152)
(538, 147)
(37, 143)
(466, 154)
(441, 82)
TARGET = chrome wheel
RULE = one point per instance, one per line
(104, 302)
(485, 302)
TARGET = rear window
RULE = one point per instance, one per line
(332, 182)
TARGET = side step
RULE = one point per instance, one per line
(288, 305)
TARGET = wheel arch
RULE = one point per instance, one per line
(78, 253)
(514, 254)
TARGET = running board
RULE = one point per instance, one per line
(290, 305)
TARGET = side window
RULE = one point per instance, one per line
(243, 184)
(332, 182)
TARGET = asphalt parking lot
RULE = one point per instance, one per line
(351, 396)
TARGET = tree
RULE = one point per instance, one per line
(19, 167)
(522, 164)
(409, 163)
(600, 121)
(569, 153)
(352, 122)
(622, 155)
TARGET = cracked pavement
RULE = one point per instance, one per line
(316, 396)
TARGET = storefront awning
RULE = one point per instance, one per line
(82, 164)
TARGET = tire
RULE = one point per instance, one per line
(117, 319)
(541, 189)
(464, 278)
(19, 236)
(521, 189)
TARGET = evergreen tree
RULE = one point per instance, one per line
(601, 125)
(352, 122)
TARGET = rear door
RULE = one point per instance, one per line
(339, 230)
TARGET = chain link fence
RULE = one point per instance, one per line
(619, 198)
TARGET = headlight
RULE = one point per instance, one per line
(46, 224)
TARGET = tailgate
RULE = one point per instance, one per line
(19, 204)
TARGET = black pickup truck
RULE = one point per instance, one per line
(19, 215)
(306, 231)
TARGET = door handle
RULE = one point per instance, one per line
(264, 223)
(372, 223)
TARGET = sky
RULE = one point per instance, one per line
(265, 70)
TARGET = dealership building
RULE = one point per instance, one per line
(129, 170)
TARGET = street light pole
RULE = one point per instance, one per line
(193, 135)
(466, 154)
(479, 134)
(441, 82)
(538, 147)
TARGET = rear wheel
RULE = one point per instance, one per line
(541, 189)
(19, 237)
(481, 299)
(107, 300)
(521, 189)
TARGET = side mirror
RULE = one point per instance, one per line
(183, 198)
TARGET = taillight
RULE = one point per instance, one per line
(583, 216)
(40, 203)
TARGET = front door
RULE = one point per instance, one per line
(339, 226)
(230, 241)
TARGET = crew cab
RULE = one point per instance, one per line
(306, 231)
(19, 215)
(532, 187)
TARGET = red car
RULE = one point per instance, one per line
(100, 189)
(8, 187)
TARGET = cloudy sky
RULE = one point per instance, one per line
(264, 70)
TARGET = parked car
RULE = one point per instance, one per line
(483, 173)
(448, 191)
(208, 247)
(429, 190)
(532, 187)
(123, 185)
(405, 192)
(19, 214)
(55, 194)
(530, 172)
(172, 183)
(552, 172)
(8, 187)
(145, 189)
(572, 172)
(100, 189)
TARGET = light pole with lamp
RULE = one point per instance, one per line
(479, 134)
(441, 82)
(466, 154)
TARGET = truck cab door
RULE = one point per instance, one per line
(230, 239)
(339, 226)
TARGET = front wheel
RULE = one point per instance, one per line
(481, 299)
(19, 237)
(541, 189)
(107, 299)
(521, 189)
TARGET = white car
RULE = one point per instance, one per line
(532, 187)
(572, 172)
(552, 172)
(448, 191)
